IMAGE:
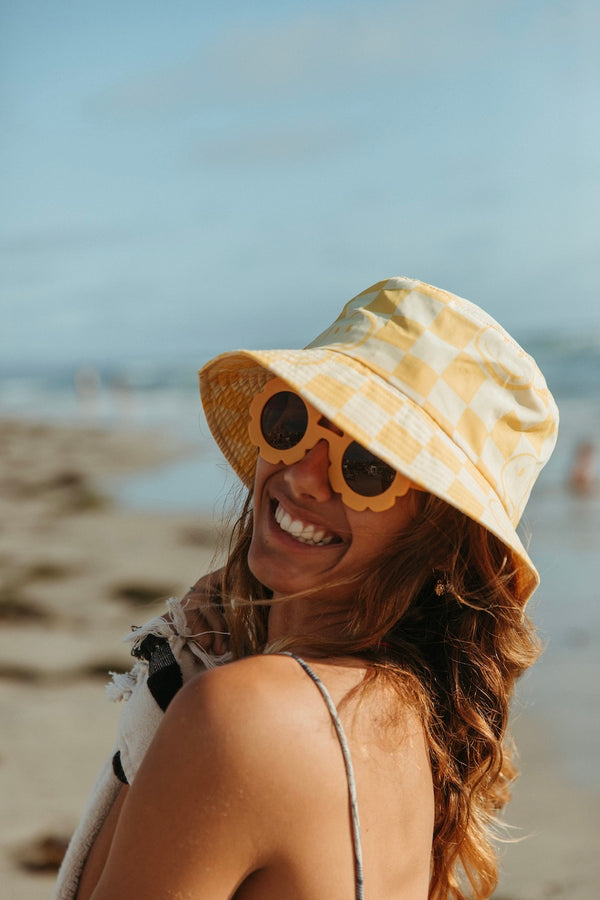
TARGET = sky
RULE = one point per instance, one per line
(182, 178)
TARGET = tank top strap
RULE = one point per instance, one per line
(358, 862)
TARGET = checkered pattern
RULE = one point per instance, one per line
(428, 382)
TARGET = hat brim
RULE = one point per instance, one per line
(365, 406)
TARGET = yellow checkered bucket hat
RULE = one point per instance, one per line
(426, 381)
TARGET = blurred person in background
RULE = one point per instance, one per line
(582, 479)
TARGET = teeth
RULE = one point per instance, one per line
(306, 534)
(285, 521)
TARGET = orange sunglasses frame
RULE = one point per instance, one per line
(315, 432)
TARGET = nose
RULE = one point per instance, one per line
(309, 477)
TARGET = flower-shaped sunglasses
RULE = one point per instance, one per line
(285, 428)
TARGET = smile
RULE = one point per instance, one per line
(302, 532)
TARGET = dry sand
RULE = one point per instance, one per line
(75, 573)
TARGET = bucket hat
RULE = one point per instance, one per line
(424, 379)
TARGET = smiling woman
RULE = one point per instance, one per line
(376, 559)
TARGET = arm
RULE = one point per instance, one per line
(196, 820)
(96, 859)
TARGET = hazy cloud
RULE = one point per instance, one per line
(287, 143)
(54, 239)
(318, 51)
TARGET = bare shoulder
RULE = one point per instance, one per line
(263, 720)
(207, 781)
(256, 691)
(257, 705)
(238, 687)
(226, 718)
(242, 703)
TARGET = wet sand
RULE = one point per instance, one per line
(76, 571)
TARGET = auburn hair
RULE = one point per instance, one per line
(441, 619)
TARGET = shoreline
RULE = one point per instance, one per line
(77, 570)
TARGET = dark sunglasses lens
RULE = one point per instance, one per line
(366, 474)
(284, 420)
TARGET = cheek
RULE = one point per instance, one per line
(260, 504)
(379, 529)
(262, 472)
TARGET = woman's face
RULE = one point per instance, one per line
(306, 538)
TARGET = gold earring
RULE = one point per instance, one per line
(442, 585)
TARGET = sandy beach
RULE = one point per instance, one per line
(76, 571)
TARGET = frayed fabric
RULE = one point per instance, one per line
(174, 627)
(167, 655)
(123, 684)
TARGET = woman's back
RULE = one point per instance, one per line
(246, 779)
(393, 784)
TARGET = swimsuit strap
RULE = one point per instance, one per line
(358, 863)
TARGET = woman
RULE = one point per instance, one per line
(376, 559)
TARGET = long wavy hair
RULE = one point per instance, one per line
(441, 619)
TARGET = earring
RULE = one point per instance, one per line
(442, 585)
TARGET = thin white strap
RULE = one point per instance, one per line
(358, 862)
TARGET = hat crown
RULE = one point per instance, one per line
(463, 369)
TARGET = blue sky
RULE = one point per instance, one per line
(182, 178)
